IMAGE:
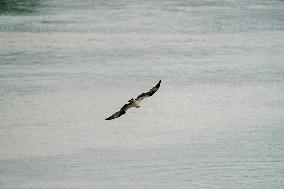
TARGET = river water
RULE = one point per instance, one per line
(216, 122)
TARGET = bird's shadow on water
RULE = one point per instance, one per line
(19, 7)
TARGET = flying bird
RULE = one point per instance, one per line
(134, 102)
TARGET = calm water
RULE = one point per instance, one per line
(216, 122)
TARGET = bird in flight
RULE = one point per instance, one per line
(134, 102)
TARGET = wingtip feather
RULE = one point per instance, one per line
(109, 118)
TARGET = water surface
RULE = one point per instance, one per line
(216, 122)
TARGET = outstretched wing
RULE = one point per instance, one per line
(120, 112)
(149, 93)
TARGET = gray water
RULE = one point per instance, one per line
(217, 120)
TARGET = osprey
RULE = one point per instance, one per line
(134, 102)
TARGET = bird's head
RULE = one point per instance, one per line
(131, 100)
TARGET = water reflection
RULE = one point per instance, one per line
(19, 7)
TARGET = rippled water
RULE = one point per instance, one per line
(216, 122)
